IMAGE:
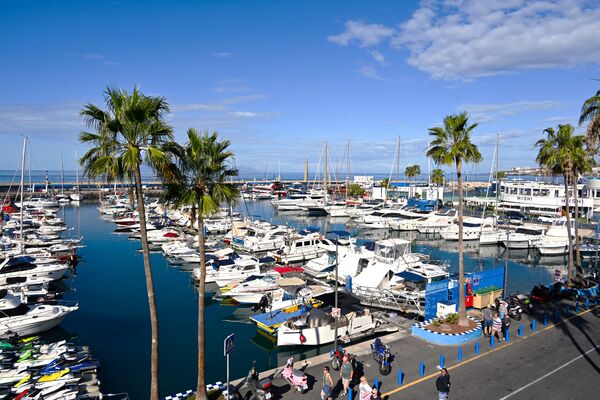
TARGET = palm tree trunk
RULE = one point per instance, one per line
(131, 200)
(201, 388)
(568, 209)
(149, 287)
(462, 312)
(193, 217)
(578, 268)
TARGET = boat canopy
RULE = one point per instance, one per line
(411, 276)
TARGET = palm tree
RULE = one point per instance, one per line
(412, 170)
(201, 181)
(437, 177)
(563, 153)
(128, 133)
(590, 112)
(452, 144)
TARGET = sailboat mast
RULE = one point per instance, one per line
(22, 182)
(398, 159)
(326, 174)
(62, 175)
(497, 186)
(347, 167)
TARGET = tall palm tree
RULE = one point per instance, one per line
(412, 170)
(561, 152)
(437, 177)
(129, 133)
(202, 169)
(452, 145)
(590, 112)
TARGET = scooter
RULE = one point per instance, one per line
(258, 389)
(295, 377)
(525, 303)
(337, 357)
(383, 356)
(514, 309)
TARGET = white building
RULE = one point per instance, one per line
(365, 181)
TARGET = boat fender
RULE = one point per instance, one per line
(302, 338)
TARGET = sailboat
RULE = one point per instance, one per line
(76, 196)
(62, 197)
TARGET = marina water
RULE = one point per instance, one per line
(113, 316)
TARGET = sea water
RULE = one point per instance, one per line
(113, 315)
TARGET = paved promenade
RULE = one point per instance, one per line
(556, 361)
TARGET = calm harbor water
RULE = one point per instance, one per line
(113, 315)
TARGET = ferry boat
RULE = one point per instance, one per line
(545, 199)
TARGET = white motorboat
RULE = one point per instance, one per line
(437, 222)
(556, 240)
(252, 289)
(16, 317)
(260, 238)
(166, 235)
(523, 237)
(299, 248)
(379, 219)
(21, 268)
(317, 327)
(472, 228)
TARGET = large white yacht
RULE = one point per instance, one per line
(545, 199)
(16, 317)
(22, 268)
(472, 228)
(300, 247)
(556, 240)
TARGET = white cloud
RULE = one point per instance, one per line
(490, 112)
(377, 56)
(221, 105)
(56, 118)
(365, 34)
(470, 38)
(251, 114)
(222, 54)
(98, 58)
(369, 71)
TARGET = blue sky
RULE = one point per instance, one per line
(279, 78)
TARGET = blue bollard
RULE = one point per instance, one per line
(520, 331)
(476, 347)
(533, 325)
(442, 360)
(556, 315)
(376, 383)
(587, 302)
(400, 376)
(545, 319)
(422, 369)
(507, 335)
(492, 341)
(567, 310)
(350, 393)
(577, 307)
(460, 354)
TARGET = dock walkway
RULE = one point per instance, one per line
(557, 360)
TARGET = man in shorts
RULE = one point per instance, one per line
(487, 317)
(346, 373)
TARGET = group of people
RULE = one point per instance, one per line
(365, 391)
(495, 319)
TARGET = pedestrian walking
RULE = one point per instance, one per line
(497, 327)
(487, 316)
(346, 373)
(327, 390)
(442, 384)
(364, 389)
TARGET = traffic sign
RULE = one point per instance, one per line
(228, 344)
(336, 312)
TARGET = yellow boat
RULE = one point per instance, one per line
(54, 376)
(270, 321)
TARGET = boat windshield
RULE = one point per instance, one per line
(21, 309)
